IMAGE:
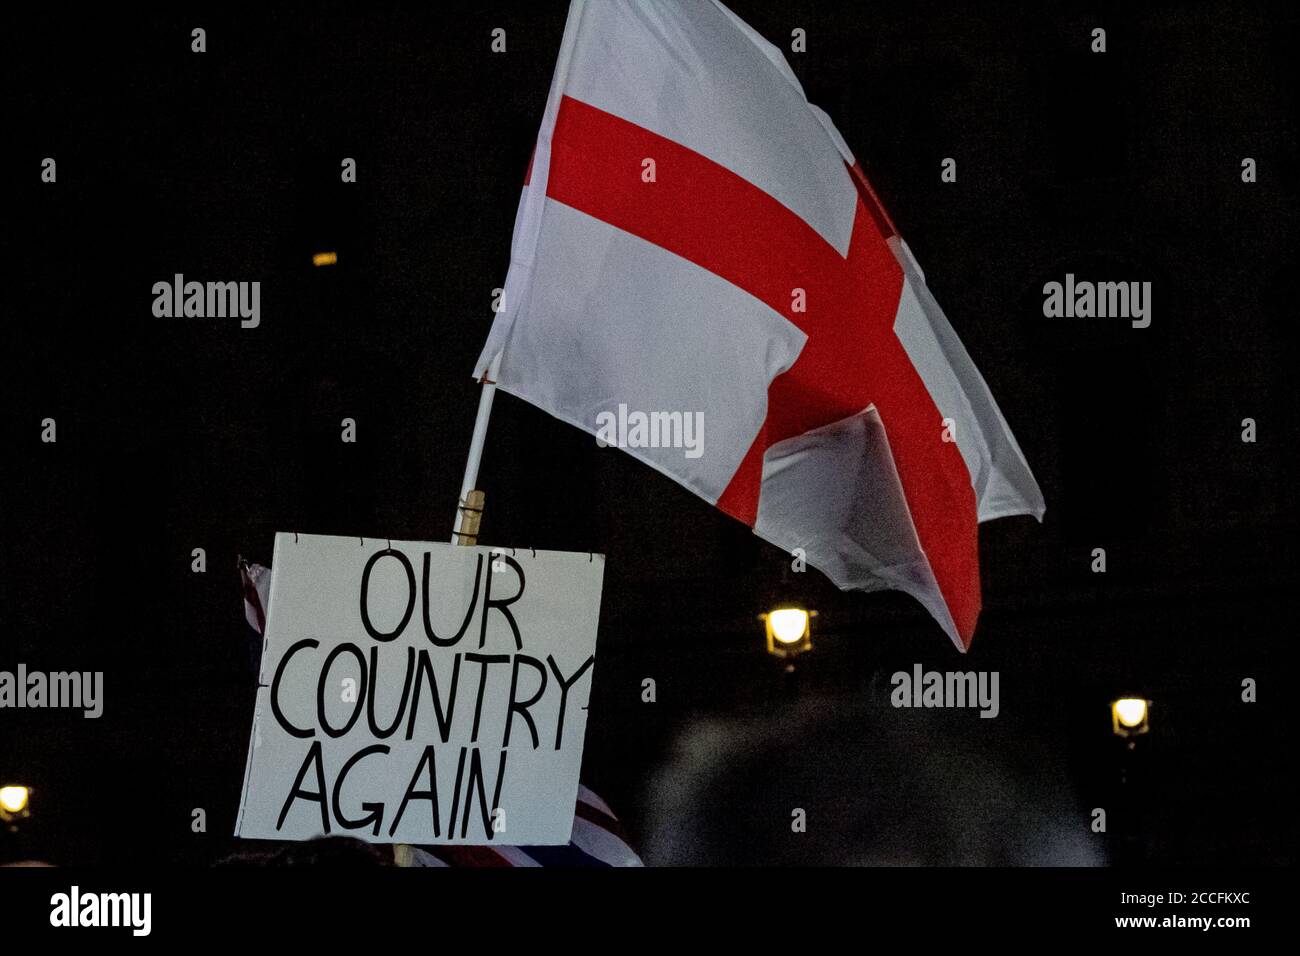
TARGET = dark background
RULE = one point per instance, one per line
(176, 434)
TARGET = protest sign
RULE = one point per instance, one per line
(421, 693)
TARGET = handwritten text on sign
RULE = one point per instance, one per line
(421, 693)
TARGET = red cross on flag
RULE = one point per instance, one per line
(701, 274)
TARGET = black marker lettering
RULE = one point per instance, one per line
(374, 685)
(564, 691)
(486, 660)
(374, 811)
(275, 690)
(365, 594)
(426, 758)
(469, 612)
(313, 756)
(522, 706)
(444, 720)
(504, 605)
(324, 679)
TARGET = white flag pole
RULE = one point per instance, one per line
(469, 508)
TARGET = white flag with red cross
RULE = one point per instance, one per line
(695, 243)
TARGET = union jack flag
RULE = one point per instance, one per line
(597, 841)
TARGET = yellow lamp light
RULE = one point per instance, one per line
(789, 630)
(13, 800)
(1130, 716)
(789, 624)
(324, 258)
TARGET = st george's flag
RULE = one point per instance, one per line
(696, 239)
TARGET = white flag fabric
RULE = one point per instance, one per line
(701, 274)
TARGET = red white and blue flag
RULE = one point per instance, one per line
(597, 840)
(695, 237)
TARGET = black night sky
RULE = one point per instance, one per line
(175, 434)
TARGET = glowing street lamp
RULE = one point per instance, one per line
(13, 802)
(1130, 716)
(789, 630)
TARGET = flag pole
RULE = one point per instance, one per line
(469, 507)
(469, 511)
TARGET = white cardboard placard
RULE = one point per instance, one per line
(415, 692)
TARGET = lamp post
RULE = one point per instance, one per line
(787, 625)
(1130, 718)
